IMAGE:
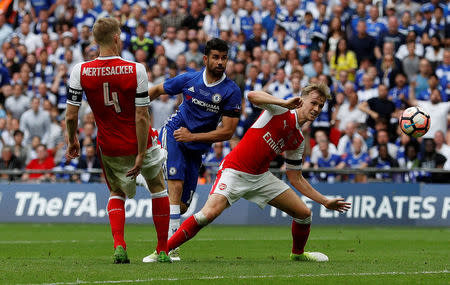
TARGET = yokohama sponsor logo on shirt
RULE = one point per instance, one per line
(209, 107)
(276, 146)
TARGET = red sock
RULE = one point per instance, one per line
(300, 233)
(161, 217)
(187, 230)
(116, 213)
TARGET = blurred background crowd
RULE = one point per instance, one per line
(378, 57)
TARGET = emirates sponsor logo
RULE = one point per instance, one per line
(276, 146)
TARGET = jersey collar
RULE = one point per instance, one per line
(214, 83)
(108, 57)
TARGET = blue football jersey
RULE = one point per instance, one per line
(203, 104)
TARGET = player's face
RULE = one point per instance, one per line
(312, 106)
(216, 62)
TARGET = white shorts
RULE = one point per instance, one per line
(116, 167)
(260, 189)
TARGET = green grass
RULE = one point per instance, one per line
(52, 253)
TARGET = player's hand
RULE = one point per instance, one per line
(73, 149)
(338, 205)
(134, 172)
(293, 103)
(182, 135)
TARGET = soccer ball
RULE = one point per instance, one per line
(415, 122)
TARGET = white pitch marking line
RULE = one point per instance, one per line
(247, 277)
(197, 239)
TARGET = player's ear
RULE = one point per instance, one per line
(205, 59)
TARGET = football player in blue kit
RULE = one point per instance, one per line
(208, 98)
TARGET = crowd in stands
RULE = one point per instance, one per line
(377, 58)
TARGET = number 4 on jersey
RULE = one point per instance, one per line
(108, 101)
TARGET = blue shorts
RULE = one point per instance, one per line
(182, 164)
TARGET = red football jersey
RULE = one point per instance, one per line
(113, 87)
(275, 131)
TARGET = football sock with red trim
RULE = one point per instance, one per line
(116, 214)
(161, 216)
(300, 234)
(187, 230)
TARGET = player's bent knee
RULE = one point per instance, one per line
(302, 214)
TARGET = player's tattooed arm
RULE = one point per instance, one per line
(222, 133)
(155, 91)
(262, 98)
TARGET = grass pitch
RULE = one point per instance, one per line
(82, 254)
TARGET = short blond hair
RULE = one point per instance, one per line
(321, 88)
(104, 30)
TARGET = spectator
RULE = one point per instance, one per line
(442, 148)
(375, 25)
(211, 24)
(18, 103)
(35, 122)
(432, 159)
(421, 79)
(344, 59)
(290, 18)
(162, 108)
(5, 28)
(257, 38)
(172, 46)
(320, 136)
(345, 142)
(335, 34)
(193, 54)
(407, 6)
(378, 107)
(434, 53)
(328, 160)
(356, 159)
(89, 161)
(410, 63)
(42, 162)
(8, 161)
(362, 44)
(349, 112)
(403, 50)
(437, 109)
(382, 138)
(84, 15)
(174, 18)
(269, 21)
(281, 87)
(383, 161)
(281, 42)
(368, 91)
(399, 94)
(141, 42)
(195, 18)
(391, 34)
(20, 152)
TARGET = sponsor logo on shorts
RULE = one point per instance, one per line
(172, 171)
(222, 186)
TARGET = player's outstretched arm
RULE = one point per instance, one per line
(73, 148)
(222, 133)
(142, 127)
(297, 180)
(262, 98)
(156, 91)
